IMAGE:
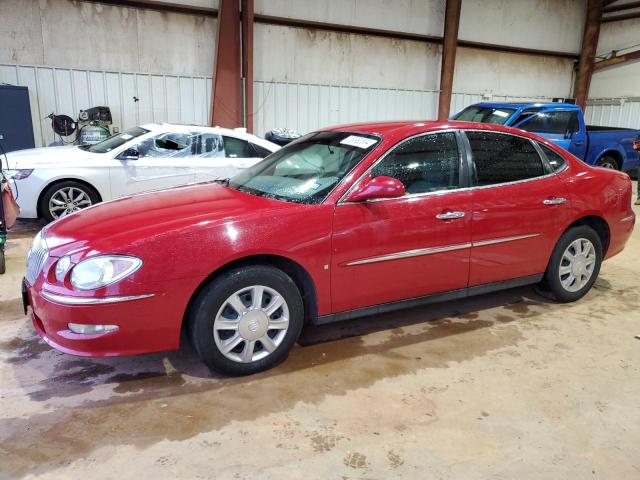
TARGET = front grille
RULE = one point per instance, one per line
(36, 258)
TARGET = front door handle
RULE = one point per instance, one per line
(449, 215)
(554, 201)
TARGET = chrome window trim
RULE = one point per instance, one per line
(515, 182)
(467, 154)
(342, 200)
(431, 250)
(67, 300)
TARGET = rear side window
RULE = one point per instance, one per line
(556, 161)
(236, 148)
(501, 158)
(424, 164)
(560, 123)
(258, 151)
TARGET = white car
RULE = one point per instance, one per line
(55, 181)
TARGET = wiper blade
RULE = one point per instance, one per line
(223, 181)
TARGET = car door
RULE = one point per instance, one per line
(518, 208)
(415, 245)
(233, 155)
(162, 161)
(563, 127)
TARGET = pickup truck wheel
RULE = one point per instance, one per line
(574, 264)
(608, 162)
(246, 320)
(63, 198)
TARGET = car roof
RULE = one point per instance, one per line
(524, 105)
(413, 127)
(240, 133)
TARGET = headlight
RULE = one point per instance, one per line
(18, 174)
(97, 272)
(61, 267)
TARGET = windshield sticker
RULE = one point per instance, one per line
(356, 141)
(126, 136)
(500, 113)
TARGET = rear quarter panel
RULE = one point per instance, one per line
(601, 193)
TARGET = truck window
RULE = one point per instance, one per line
(560, 123)
(501, 158)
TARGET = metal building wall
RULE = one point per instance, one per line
(622, 112)
(162, 98)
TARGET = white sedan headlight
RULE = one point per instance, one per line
(19, 174)
(97, 272)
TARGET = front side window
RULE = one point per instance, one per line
(306, 170)
(116, 140)
(501, 158)
(173, 145)
(497, 115)
(428, 163)
(556, 161)
(560, 123)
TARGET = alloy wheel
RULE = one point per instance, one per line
(68, 200)
(577, 265)
(251, 324)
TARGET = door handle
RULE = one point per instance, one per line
(554, 201)
(449, 215)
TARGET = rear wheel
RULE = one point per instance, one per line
(574, 264)
(608, 162)
(63, 198)
(246, 320)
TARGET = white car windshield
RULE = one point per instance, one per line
(306, 170)
(115, 141)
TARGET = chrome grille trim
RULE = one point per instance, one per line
(36, 257)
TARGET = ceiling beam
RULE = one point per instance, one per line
(618, 18)
(617, 60)
(618, 8)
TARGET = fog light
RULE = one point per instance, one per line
(91, 329)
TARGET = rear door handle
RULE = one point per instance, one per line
(554, 201)
(449, 215)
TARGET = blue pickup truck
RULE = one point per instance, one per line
(563, 123)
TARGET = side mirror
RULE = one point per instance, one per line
(129, 154)
(378, 187)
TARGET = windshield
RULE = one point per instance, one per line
(485, 114)
(306, 170)
(115, 141)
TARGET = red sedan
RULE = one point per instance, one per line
(345, 222)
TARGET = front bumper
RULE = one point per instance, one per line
(146, 323)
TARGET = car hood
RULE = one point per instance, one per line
(122, 225)
(45, 156)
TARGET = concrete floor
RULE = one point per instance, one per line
(506, 385)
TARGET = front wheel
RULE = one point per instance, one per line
(574, 264)
(246, 320)
(63, 198)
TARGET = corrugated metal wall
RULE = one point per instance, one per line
(614, 112)
(162, 98)
(304, 107)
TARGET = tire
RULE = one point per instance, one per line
(608, 162)
(85, 195)
(558, 283)
(216, 320)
